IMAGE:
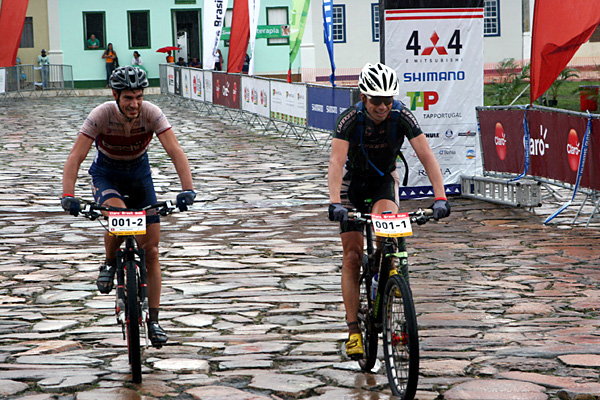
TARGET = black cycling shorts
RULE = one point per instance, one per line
(356, 190)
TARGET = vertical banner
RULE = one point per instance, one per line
(12, 19)
(171, 79)
(186, 84)
(197, 80)
(438, 55)
(240, 32)
(299, 13)
(253, 14)
(208, 86)
(328, 32)
(213, 19)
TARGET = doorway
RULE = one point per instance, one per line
(187, 34)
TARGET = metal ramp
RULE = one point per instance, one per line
(522, 193)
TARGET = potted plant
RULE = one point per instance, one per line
(564, 75)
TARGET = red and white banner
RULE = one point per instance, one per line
(226, 90)
(554, 148)
(559, 29)
(438, 55)
(213, 20)
(240, 32)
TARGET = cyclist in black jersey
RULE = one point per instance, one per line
(362, 165)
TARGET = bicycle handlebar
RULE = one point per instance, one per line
(420, 217)
(93, 211)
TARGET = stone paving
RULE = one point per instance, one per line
(507, 307)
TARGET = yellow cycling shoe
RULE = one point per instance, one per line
(354, 346)
(393, 272)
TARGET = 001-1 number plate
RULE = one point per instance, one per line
(391, 225)
(122, 223)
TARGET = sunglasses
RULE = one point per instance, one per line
(378, 100)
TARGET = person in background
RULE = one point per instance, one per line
(246, 65)
(195, 63)
(137, 61)
(170, 58)
(181, 62)
(110, 56)
(93, 43)
(219, 62)
(44, 63)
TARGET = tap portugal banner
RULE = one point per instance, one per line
(438, 54)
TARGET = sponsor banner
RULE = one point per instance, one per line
(554, 146)
(255, 96)
(186, 86)
(208, 86)
(325, 104)
(171, 80)
(226, 90)
(2, 80)
(288, 102)
(438, 55)
(197, 84)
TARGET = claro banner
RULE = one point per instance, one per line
(325, 104)
(555, 144)
(197, 81)
(226, 90)
(288, 102)
(256, 96)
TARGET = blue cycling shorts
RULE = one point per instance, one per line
(130, 181)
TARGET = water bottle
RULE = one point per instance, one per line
(374, 283)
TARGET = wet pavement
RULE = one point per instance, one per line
(507, 307)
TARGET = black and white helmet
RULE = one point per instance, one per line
(128, 78)
(378, 80)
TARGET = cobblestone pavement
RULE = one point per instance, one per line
(507, 307)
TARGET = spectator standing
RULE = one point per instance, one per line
(246, 65)
(170, 58)
(219, 62)
(110, 56)
(44, 63)
(93, 43)
(137, 61)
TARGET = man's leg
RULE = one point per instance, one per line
(149, 242)
(106, 277)
(352, 243)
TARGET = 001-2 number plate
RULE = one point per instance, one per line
(391, 225)
(122, 223)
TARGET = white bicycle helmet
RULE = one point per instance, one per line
(128, 78)
(378, 80)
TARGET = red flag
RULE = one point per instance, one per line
(240, 33)
(559, 29)
(12, 19)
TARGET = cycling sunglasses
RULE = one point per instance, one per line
(377, 100)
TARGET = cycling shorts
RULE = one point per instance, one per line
(355, 190)
(130, 181)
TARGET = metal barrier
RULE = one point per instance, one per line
(28, 79)
(523, 193)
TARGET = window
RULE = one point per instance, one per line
(227, 23)
(375, 21)
(491, 18)
(139, 29)
(277, 16)
(339, 24)
(596, 35)
(526, 16)
(27, 35)
(93, 24)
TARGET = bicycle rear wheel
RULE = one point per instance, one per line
(400, 338)
(365, 321)
(133, 323)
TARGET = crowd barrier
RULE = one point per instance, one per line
(297, 109)
(27, 79)
(554, 146)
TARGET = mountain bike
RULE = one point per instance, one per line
(131, 306)
(386, 305)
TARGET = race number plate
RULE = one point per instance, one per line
(391, 225)
(122, 223)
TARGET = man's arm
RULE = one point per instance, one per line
(337, 159)
(432, 167)
(178, 157)
(71, 169)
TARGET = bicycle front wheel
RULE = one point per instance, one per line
(400, 338)
(133, 323)
(365, 321)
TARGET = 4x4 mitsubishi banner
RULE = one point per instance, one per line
(437, 51)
